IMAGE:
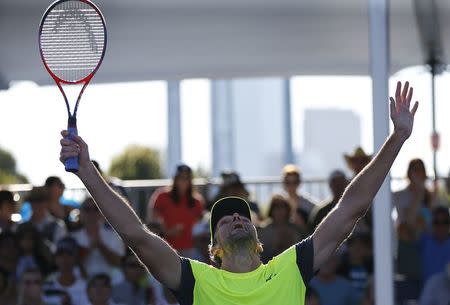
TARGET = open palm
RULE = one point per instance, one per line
(401, 114)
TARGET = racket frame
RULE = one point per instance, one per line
(72, 165)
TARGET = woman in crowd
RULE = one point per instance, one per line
(178, 208)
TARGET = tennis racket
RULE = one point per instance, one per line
(72, 43)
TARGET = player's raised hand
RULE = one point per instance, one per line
(74, 147)
(401, 114)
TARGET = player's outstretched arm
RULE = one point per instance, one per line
(357, 198)
(161, 260)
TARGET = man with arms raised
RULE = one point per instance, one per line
(242, 278)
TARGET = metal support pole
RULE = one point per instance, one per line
(379, 65)
(222, 126)
(174, 126)
(435, 137)
(288, 150)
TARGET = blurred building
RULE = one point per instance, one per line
(328, 134)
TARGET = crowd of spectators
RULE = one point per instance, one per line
(62, 252)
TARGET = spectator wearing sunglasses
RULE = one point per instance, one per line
(134, 287)
(301, 205)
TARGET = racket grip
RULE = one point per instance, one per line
(71, 164)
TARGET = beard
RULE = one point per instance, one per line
(240, 239)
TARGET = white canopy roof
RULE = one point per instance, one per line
(173, 39)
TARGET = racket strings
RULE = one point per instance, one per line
(72, 40)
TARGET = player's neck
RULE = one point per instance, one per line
(240, 261)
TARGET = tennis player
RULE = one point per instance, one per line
(241, 277)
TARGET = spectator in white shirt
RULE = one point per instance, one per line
(101, 247)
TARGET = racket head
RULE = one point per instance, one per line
(72, 40)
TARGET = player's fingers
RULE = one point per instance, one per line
(405, 90)
(397, 91)
(414, 109)
(392, 105)
(79, 141)
(66, 155)
(409, 97)
(70, 149)
(67, 142)
(64, 133)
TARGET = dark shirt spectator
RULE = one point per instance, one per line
(50, 228)
(435, 247)
(7, 208)
(232, 185)
(333, 289)
(34, 250)
(133, 289)
(355, 265)
(99, 290)
(279, 233)
(337, 181)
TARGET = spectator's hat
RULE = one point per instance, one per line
(358, 155)
(182, 168)
(224, 207)
(230, 178)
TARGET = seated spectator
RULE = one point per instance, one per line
(279, 233)
(333, 289)
(437, 289)
(355, 265)
(58, 206)
(233, 186)
(30, 290)
(101, 247)
(34, 252)
(414, 203)
(9, 253)
(7, 208)
(50, 228)
(133, 289)
(311, 297)
(444, 193)
(66, 280)
(435, 247)
(369, 297)
(55, 188)
(7, 289)
(301, 205)
(201, 236)
(337, 181)
(178, 209)
(356, 162)
(169, 298)
(113, 182)
(99, 290)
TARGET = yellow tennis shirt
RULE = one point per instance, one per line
(281, 281)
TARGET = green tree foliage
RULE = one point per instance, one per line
(8, 173)
(136, 162)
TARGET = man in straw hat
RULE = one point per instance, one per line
(241, 277)
(357, 161)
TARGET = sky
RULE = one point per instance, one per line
(112, 116)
